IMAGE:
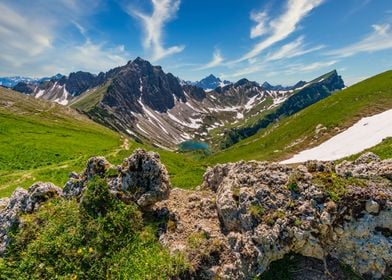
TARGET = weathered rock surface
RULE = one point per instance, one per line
(249, 214)
(23, 201)
(141, 178)
(145, 177)
(366, 166)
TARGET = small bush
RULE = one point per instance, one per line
(195, 240)
(100, 238)
(257, 212)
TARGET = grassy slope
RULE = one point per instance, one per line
(42, 141)
(89, 99)
(297, 132)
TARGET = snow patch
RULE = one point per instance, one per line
(366, 133)
(40, 93)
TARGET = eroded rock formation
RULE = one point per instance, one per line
(141, 178)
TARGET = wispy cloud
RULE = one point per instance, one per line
(33, 43)
(261, 27)
(91, 56)
(279, 28)
(153, 24)
(217, 60)
(16, 30)
(379, 39)
(357, 6)
(310, 67)
(292, 49)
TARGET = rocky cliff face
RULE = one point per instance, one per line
(145, 102)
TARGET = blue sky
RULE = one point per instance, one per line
(281, 41)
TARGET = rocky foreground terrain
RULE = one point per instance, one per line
(246, 215)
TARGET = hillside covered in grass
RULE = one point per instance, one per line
(332, 115)
(44, 141)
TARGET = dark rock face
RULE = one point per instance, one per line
(268, 86)
(79, 82)
(23, 201)
(24, 87)
(139, 80)
(196, 93)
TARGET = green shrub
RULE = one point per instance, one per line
(257, 212)
(100, 238)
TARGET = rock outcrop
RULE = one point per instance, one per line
(250, 214)
(246, 215)
(141, 178)
(23, 201)
(367, 166)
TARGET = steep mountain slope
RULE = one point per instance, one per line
(298, 99)
(146, 103)
(316, 123)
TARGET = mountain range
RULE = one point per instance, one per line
(144, 102)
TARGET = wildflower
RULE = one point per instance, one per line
(90, 250)
(79, 251)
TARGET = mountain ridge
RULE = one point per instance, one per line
(143, 101)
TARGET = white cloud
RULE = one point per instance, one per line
(280, 28)
(379, 39)
(217, 60)
(292, 49)
(92, 57)
(310, 67)
(22, 36)
(33, 42)
(260, 28)
(163, 12)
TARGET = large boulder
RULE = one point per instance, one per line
(141, 178)
(23, 201)
(143, 175)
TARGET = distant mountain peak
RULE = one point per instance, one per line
(211, 82)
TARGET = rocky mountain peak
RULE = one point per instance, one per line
(245, 82)
(211, 82)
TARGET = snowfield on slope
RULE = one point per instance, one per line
(366, 133)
